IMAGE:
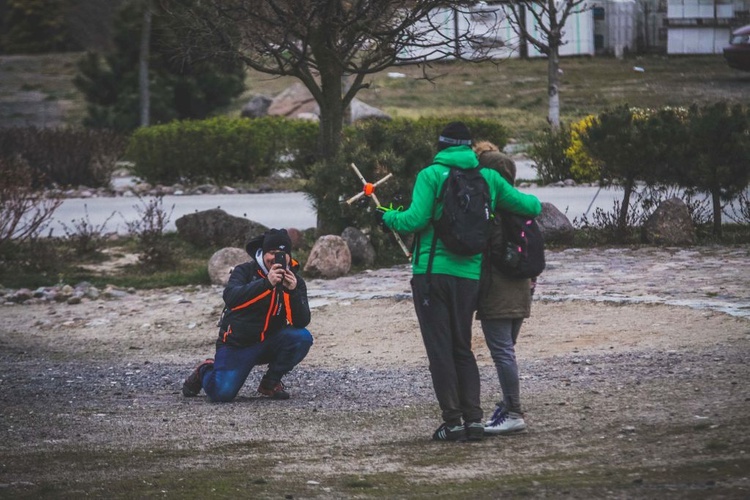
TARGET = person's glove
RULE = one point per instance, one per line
(381, 210)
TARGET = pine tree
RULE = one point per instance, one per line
(179, 89)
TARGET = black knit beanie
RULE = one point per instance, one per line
(277, 239)
(454, 134)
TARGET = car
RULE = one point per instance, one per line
(737, 53)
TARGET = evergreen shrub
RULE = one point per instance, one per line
(221, 150)
(548, 150)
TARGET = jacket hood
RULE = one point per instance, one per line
(457, 156)
(254, 244)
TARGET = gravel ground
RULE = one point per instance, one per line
(624, 398)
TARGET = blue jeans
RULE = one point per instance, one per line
(232, 365)
(501, 336)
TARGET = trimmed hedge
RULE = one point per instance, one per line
(221, 150)
(67, 156)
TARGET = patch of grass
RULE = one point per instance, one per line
(502, 90)
(28, 87)
(46, 263)
(359, 482)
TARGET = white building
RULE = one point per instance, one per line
(599, 27)
(703, 26)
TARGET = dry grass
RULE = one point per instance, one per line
(39, 89)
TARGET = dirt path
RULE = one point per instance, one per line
(623, 400)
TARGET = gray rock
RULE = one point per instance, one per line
(363, 253)
(329, 258)
(216, 228)
(257, 107)
(669, 225)
(221, 263)
(555, 226)
(358, 110)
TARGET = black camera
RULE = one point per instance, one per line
(280, 258)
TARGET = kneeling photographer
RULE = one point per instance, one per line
(265, 314)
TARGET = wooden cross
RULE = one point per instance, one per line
(368, 190)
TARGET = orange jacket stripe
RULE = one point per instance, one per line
(288, 307)
(250, 302)
(268, 318)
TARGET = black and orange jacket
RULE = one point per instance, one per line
(254, 310)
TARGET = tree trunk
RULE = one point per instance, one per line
(622, 218)
(143, 88)
(716, 203)
(331, 125)
(553, 65)
(523, 48)
(553, 92)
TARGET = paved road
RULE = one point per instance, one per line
(274, 209)
(269, 209)
(295, 209)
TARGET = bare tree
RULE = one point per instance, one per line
(143, 60)
(549, 18)
(24, 213)
(323, 42)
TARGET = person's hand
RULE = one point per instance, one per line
(276, 274)
(381, 210)
(290, 280)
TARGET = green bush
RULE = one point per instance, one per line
(548, 150)
(221, 150)
(68, 156)
(717, 153)
(36, 26)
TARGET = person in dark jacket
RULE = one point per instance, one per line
(504, 302)
(445, 303)
(265, 314)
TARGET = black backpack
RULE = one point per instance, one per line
(464, 226)
(521, 254)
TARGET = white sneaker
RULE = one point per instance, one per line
(508, 423)
(497, 415)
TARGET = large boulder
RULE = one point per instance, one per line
(222, 262)
(329, 258)
(297, 102)
(555, 226)
(292, 101)
(670, 225)
(363, 253)
(216, 228)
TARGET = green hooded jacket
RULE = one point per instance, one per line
(416, 219)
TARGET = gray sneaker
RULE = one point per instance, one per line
(508, 423)
(474, 431)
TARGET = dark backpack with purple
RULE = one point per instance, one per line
(521, 254)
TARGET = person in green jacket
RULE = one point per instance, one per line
(445, 311)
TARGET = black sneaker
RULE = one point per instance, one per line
(474, 431)
(450, 433)
(274, 389)
(194, 383)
